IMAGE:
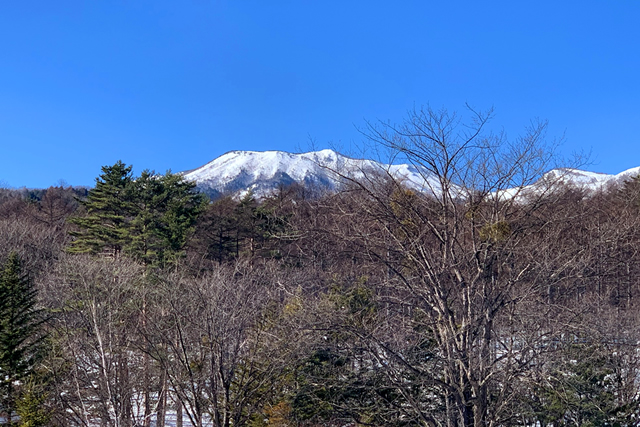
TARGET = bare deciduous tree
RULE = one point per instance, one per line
(461, 252)
(94, 328)
(221, 340)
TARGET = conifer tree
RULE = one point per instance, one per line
(108, 205)
(164, 215)
(148, 218)
(182, 206)
(144, 242)
(20, 331)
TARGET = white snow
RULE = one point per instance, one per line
(237, 172)
(262, 171)
(590, 180)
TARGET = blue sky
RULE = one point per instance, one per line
(174, 84)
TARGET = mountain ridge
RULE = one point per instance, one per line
(262, 172)
(237, 172)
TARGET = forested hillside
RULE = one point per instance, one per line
(375, 305)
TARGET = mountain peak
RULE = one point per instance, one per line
(263, 172)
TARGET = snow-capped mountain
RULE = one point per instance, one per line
(237, 172)
(590, 180)
(558, 178)
(263, 172)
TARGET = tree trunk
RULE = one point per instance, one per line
(178, 411)
(162, 399)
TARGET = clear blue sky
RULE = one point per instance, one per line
(174, 84)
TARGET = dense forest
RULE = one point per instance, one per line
(140, 301)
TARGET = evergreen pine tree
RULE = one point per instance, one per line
(108, 206)
(20, 331)
(580, 390)
(166, 208)
(31, 407)
(148, 218)
(144, 242)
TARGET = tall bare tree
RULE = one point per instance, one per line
(459, 252)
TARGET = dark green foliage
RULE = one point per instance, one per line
(148, 218)
(164, 212)
(316, 397)
(350, 379)
(108, 211)
(351, 334)
(358, 302)
(581, 390)
(20, 330)
(351, 385)
(31, 407)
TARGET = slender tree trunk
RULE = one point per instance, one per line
(125, 390)
(178, 412)
(10, 403)
(162, 399)
(147, 374)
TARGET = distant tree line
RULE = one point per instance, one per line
(139, 302)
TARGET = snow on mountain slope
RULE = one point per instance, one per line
(262, 172)
(237, 172)
(585, 180)
(589, 180)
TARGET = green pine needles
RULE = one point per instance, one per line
(108, 207)
(148, 218)
(21, 336)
